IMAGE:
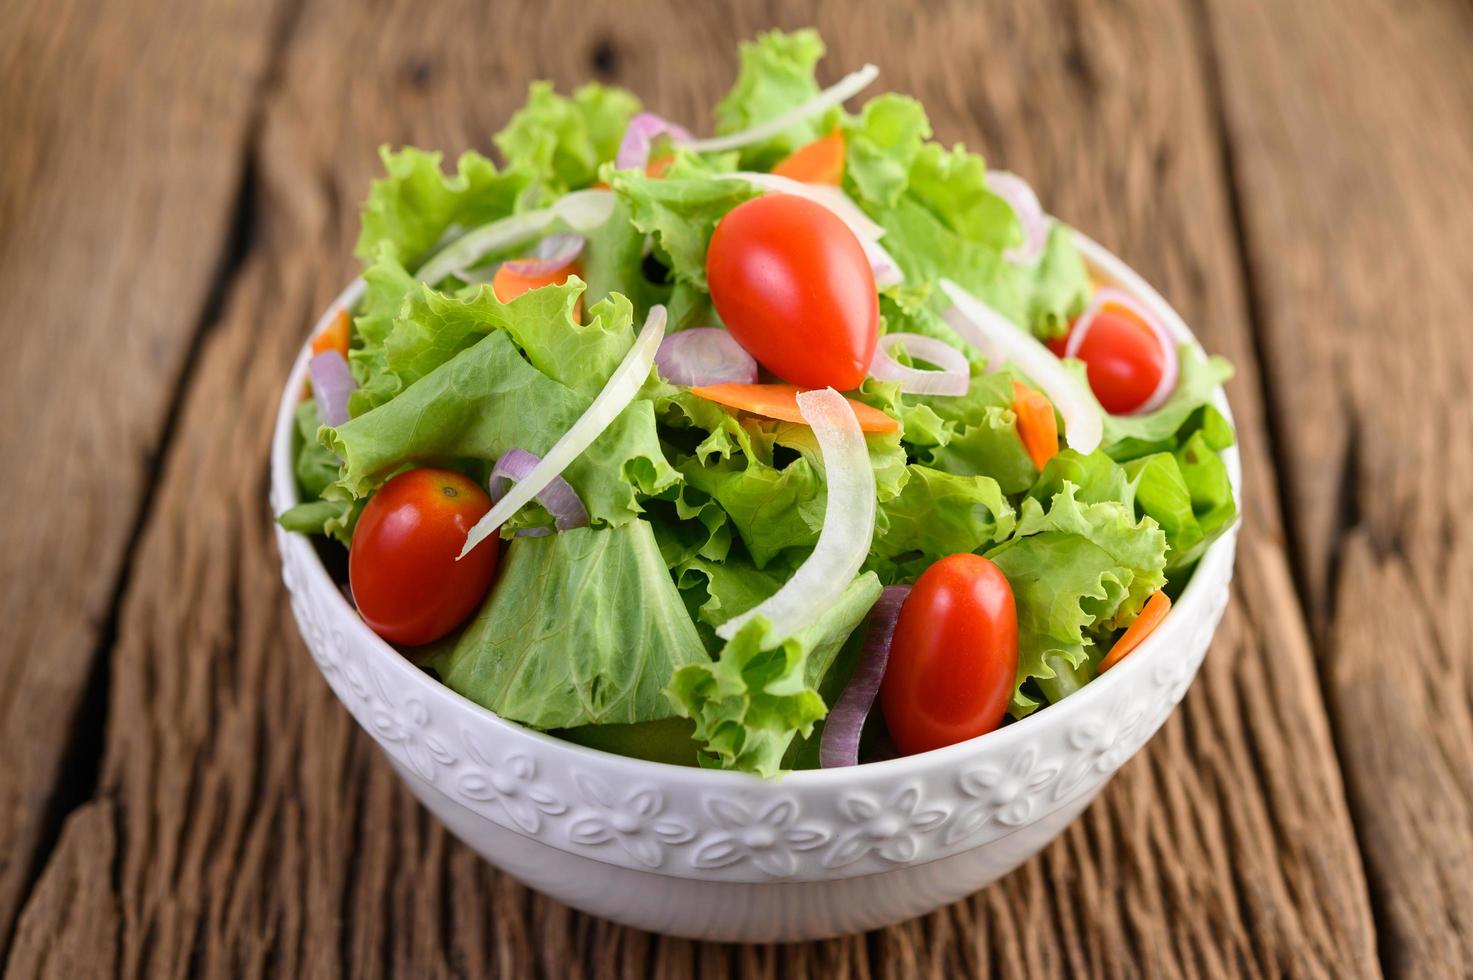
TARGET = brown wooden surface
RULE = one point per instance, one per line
(1294, 177)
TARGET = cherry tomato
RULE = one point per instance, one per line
(1122, 357)
(953, 657)
(793, 285)
(401, 567)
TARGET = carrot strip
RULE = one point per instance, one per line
(1037, 426)
(819, 162)
(777, 401)
(334, 336)
(508, 284)
(1150, 617)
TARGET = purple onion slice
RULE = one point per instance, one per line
(704, 356)
(644, 128)
(559, 497)
(332, 383)
(839, 745)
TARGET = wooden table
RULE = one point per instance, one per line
(179, 793)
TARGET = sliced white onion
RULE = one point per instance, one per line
(704, 356)
(886, 269)
(839, 745)
(559, 497)
(1020, 197)
(620, 390)
(332, 383)
(581, 210)
(954, 378)
(640, 135)
(585, 210)
(848, 522)
(837, 94)
(1110, 296)
(553, 254)
(469, 248)
(827, 195)
(1002, 341)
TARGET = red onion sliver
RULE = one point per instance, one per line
(553, 254)
(1020, 197)
(839, 744)
(559, 497)
(634, 149)
(954, 378)
(1110, 296)
(332, 383)
(704, 356)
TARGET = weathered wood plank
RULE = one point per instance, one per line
(123, 126)
(1352, 139)
(261, 833)
(71, 924)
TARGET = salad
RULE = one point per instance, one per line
(805, 444)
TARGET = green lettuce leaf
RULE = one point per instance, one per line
(476, 404)
(880, 148)
(386, 286)
(680, 210)
(1077, 570)
(410, 209)
(561, 141)
(776, 75)
(1189, 494)
(938, 514)
(316, 467)
(952, 187)
(759, 694)
(584, 627)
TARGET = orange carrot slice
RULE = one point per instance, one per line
(1037, 426)
(819, 162)
(1145, 624)
(334, 336)
(508, 283)
(781, 402)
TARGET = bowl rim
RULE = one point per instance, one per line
(1193, 604)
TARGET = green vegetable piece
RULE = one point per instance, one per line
(759, 695)
(476, 406)
(411, 208)
(1076, 569)
(776, 75)
(583, 627)
(560, 141)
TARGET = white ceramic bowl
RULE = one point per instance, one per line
(727, 856)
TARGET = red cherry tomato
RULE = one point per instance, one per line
(401, 567)
(1122, 357)
(953, 657)
(792, 284)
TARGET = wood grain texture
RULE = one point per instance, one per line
(1352, 135)
(123, 129)
(244, 827)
